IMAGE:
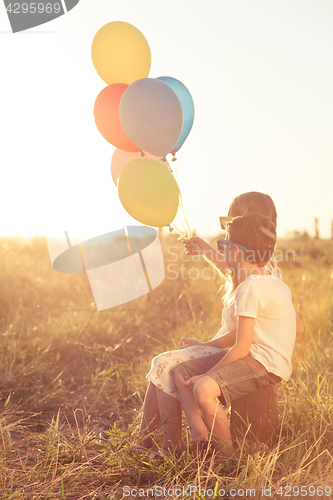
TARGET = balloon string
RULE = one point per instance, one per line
(185, 231)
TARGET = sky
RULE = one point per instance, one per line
(261, 77)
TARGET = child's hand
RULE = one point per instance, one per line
(184, 342)
(191, 381)
(192, 244)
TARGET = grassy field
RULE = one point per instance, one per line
(72, 381)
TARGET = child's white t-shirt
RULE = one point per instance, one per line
(268, 300)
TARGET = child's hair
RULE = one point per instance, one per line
(257, 233)
(244, 203)
(253, 202)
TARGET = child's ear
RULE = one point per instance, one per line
(236, 249)
(238, 253)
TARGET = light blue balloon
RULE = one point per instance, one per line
(188, 108)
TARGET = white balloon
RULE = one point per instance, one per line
(151, 115)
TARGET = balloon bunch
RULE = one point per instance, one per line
(144, 118)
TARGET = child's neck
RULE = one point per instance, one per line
(247, 269)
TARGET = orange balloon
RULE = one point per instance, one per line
(106, 112)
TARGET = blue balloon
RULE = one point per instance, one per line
(188, 108)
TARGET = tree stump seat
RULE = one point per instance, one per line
(255, 415)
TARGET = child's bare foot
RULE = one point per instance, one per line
(160, 455)
(139, 448)
(192, 449)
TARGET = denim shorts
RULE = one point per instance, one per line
(236, 380)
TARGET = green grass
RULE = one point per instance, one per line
(73, 381)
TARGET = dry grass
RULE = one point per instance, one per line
(72, 381)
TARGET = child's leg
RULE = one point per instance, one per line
(205, 392)
(150, 417)
(170, 410)
(194, 420)
(241, 377)
(160, 407)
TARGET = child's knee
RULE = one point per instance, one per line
(205, 389)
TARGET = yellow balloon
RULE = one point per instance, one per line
(149, 192)
(120, 53)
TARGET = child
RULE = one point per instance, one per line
(162, 401)
(263, 343)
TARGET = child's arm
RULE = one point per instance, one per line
(212, 254)
(226, 340)
(240, 349)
